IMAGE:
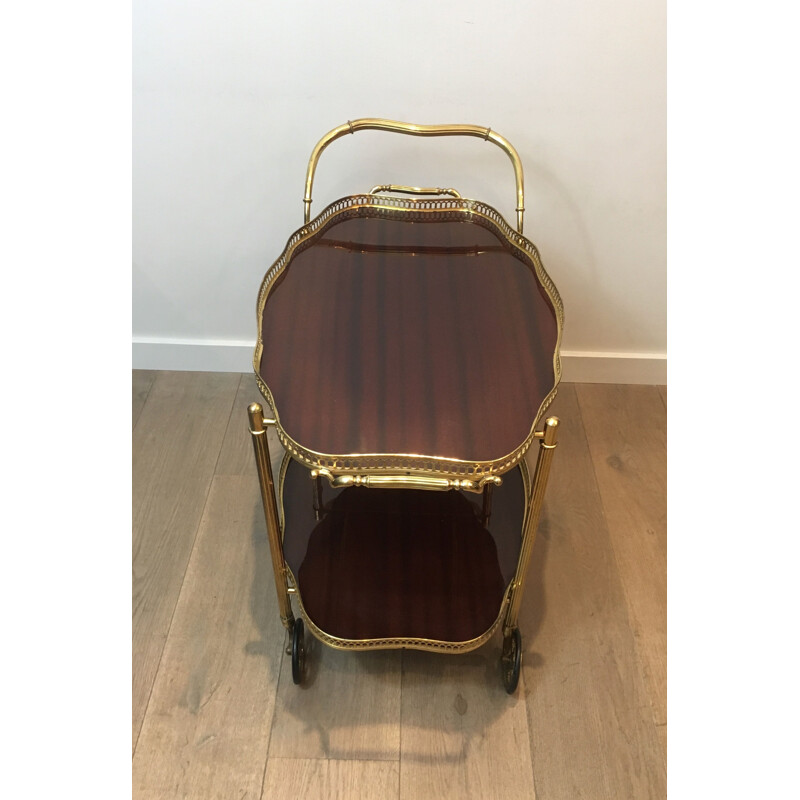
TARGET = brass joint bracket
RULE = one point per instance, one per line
(258, 422)
(549, 434)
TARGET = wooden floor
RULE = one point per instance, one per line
(215, 712)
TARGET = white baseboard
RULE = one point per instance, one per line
(209, 355)
(195, 355)
(602, 367)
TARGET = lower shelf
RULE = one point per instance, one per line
(401, 563)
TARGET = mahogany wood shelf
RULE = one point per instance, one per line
(426, 335)
(397, 563)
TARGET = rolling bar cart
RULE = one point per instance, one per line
(408, 348)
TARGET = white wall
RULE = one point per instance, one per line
(230, 96)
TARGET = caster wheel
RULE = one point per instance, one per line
(298, 652)
(511, 659)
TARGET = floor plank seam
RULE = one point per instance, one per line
(228, 424)
(639, 657)
(172, 616)
(525, 696)
(144, 403)
(355, 760)
(274, 712)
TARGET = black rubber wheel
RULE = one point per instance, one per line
(298, 652)
(511, 660)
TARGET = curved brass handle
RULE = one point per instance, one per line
(393, 187)
(416, 130)
(406, 481)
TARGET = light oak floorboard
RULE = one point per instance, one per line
(141, 382)
(323, 779)
(347, 708)
(662, 390)
(175, 447)
(207, 727)
(592, 730)
(626, 431)
(462, 735)
(236, 455)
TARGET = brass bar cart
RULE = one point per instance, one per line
(408, 349)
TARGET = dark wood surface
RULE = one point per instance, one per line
(392, 336)
(401, 562)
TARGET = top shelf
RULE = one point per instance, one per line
(413, 335)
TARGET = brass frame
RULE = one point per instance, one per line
(258, 433)
(547, 445)
(406, 470)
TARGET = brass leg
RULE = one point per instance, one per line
(547, 445)
(258, 432)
